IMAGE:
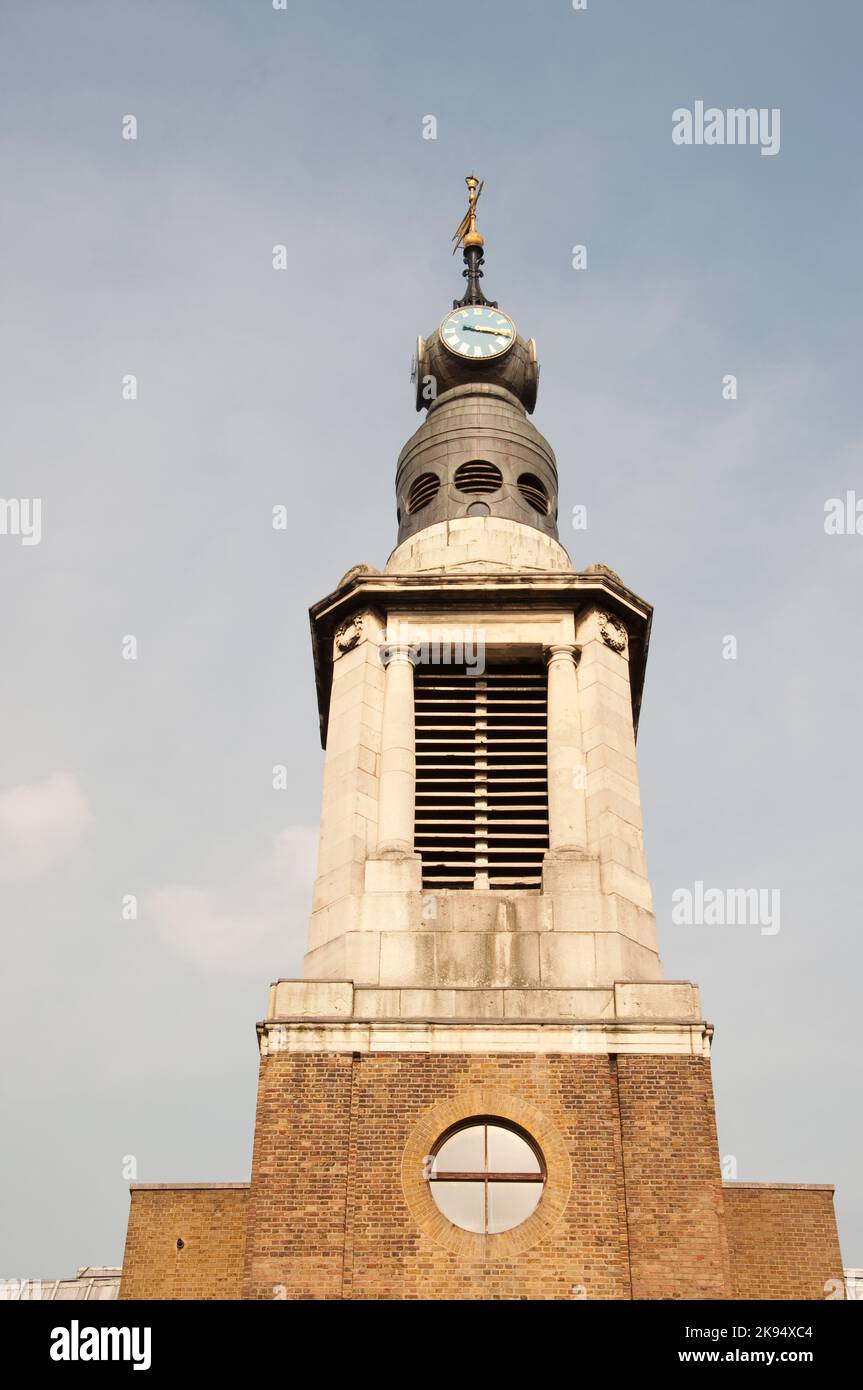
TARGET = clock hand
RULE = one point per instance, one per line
(497, 332)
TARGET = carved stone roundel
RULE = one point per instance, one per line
(348, 635)
(612, 632)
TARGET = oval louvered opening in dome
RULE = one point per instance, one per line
(478, 476)
(423, 489)
(533, 491)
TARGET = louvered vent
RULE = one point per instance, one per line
(533, 491)
(423, 489)
(481, 788)
(478, 476)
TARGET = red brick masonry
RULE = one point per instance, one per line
(338, 1206)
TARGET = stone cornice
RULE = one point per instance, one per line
(656, 1037)
(495, 592)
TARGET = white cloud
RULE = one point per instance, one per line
(196, 927)
(272, 920)
(294, 858)
(39, 824)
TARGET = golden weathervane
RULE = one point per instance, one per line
(466, 233)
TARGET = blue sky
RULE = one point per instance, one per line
(256, 387)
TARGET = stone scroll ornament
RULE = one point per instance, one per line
(348, 635)
(612, 632)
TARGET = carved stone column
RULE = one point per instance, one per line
(567, 817)
(398, 753)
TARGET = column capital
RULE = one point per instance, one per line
(391, 652)
(561, 652)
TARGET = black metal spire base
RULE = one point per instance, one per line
(473, 259)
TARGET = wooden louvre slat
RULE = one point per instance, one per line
(423, 489)
(482, 777)
(478, 476)
(533, 491)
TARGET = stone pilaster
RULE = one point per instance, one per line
(349, 808)
(613, 799)
(398, 753)
(567, 816)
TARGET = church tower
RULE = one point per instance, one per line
(484, 1086)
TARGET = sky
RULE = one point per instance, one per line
(129, 1043)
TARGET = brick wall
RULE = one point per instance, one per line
(209, 1219)
(333, 1214)
(299, 1167)
(783, 1240)
(674, 1194)
(338, 1206)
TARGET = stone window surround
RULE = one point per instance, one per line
(511, 637)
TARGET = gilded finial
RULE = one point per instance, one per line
(466, 233)
(467, 236)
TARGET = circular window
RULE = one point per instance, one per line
(534, 492)
(478, 476)
(423, 489)
(486, 1175)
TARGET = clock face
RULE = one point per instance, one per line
(477, 332)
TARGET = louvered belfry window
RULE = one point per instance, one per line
(482, 784)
